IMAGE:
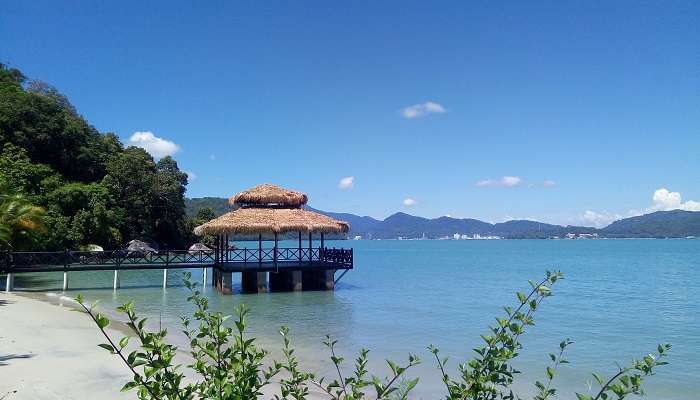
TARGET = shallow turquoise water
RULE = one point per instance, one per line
(619, 299)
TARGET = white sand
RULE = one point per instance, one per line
(50, 352)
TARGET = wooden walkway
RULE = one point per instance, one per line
(260, 260)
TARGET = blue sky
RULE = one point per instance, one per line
(562, 112)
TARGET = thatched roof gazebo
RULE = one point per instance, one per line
(267, 211)
(270, 209)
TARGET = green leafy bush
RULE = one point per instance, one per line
(229, 365)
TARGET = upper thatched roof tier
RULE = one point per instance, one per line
(246, 221)
(269, 195)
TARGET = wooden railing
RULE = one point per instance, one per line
(115, 259)
(343, 257)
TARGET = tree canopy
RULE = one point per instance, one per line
(94, 190)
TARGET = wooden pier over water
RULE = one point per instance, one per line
(261, 212)
(262, 269)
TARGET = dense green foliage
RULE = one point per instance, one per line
(93, 189)
(20, 221)
(228, 365)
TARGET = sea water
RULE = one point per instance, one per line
(619, 299)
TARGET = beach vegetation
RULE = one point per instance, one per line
(20, 220)
(228, 364)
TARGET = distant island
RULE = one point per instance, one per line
(660, 224)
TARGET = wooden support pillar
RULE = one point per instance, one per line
(300, 257)
(274, 253)
(318, 280)
(254, 282)
(222, 281)
(216, 250)
(65, 280)
(259, 248)
(214, 277)
(329, 279)
(322, 249)
(286, 281)
(117, 283)
(310, 280)
(226, 282)
(311, 252)
(296, 281)
(10, 282)
(226, 248)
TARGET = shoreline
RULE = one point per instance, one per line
(63, 360)
(49, 351)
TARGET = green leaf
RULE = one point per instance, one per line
(550, 372)
(107, 347)
(101, 321)
(598, 378)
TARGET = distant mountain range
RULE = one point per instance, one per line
(660, 224)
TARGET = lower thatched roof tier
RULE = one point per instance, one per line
(268, 194)
(247, 221)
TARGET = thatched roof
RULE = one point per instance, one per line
(266, 195)
(246, 221)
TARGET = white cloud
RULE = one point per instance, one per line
(156, 146)
(506, 181)
(599, 219)
(665, 200)
(409, 201)
(191, 176)
(421, 110)
(346, 183)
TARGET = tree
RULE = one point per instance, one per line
(91, 215)
(205, 214)
(20, 174)
(151, 195)
(93, 190)
(43, 122)
(130, 178)
(168, 203)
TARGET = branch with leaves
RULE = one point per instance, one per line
(230, 366)
(545, 391)
(351, 388)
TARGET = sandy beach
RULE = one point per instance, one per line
(48, 351)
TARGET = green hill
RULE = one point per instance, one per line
(216, 204)
(660, 224)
